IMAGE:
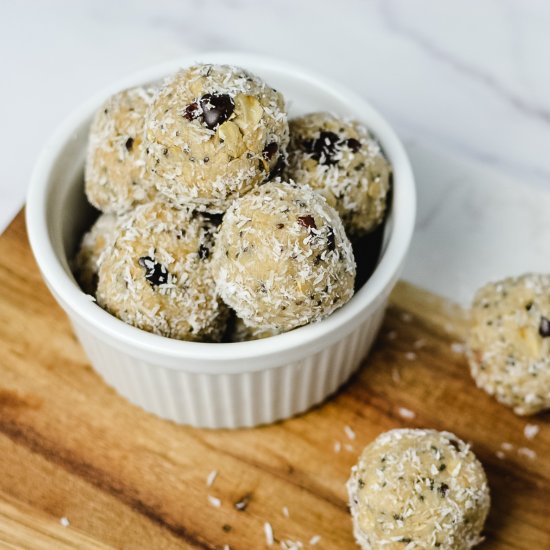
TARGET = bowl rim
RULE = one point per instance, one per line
(300, 341)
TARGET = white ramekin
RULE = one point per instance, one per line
(216, 385)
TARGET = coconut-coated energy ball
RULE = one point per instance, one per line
(92, 247)
(509, 342)
(213, 133)
(282, 258)
(340, 159)
(418, 489)
(158, 274)
(115, 178)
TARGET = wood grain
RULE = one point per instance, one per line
(70, 447)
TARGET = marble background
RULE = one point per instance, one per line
(465, 83)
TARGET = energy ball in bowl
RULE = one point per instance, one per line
(213, 133)
(340, 159)
(115, 179)
(418, 489)
(509, 342)
(158, 274)
(91, 251)
(283, 258)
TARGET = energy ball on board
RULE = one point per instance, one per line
(158, 275)
(91, 251)
(418, 489)
(214, 132)
(283, 258)
(115, 179)
(509, 342)
(340, 159)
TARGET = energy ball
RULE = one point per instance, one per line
(91, 251)
(213, 133)
(158, 274)
(340, 159)
(115, 165)
(509, 342)
(418, 489)
(282, 258)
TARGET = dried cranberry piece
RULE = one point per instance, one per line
(307, 221)
(192, 111)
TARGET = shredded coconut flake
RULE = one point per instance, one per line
(527, 453)
(216, 502)
(406, 413)
(531, 430)
(211, 478)
(458, 347)
(268, 530)
(314, 540)
(419, 344)
(349, 432)
(64, 521)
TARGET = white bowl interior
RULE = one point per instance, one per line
(58, 181)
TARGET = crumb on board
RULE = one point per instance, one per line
(242, 503)
(419, 344)
(410, 356)
(506, 446)
(349, 432)
(286, 512)
(527, 453)
(290, 544)
(531, 430)
(64, 521)
(500, 455)
(396, 377)
(315, 540)
(214, 501)
(337, 446)
(268, 531)
(211, 478)
(458, 348)
(406, 413)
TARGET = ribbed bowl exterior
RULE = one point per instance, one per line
(232, 400)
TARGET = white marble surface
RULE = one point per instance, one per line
(465, 83)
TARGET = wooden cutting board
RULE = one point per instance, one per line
(72, 448)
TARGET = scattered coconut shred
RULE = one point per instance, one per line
(211, 478)
(531, 430)
(64, 521)
(214, 501)
(406, 413)
(268, 530)
(349, 432)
